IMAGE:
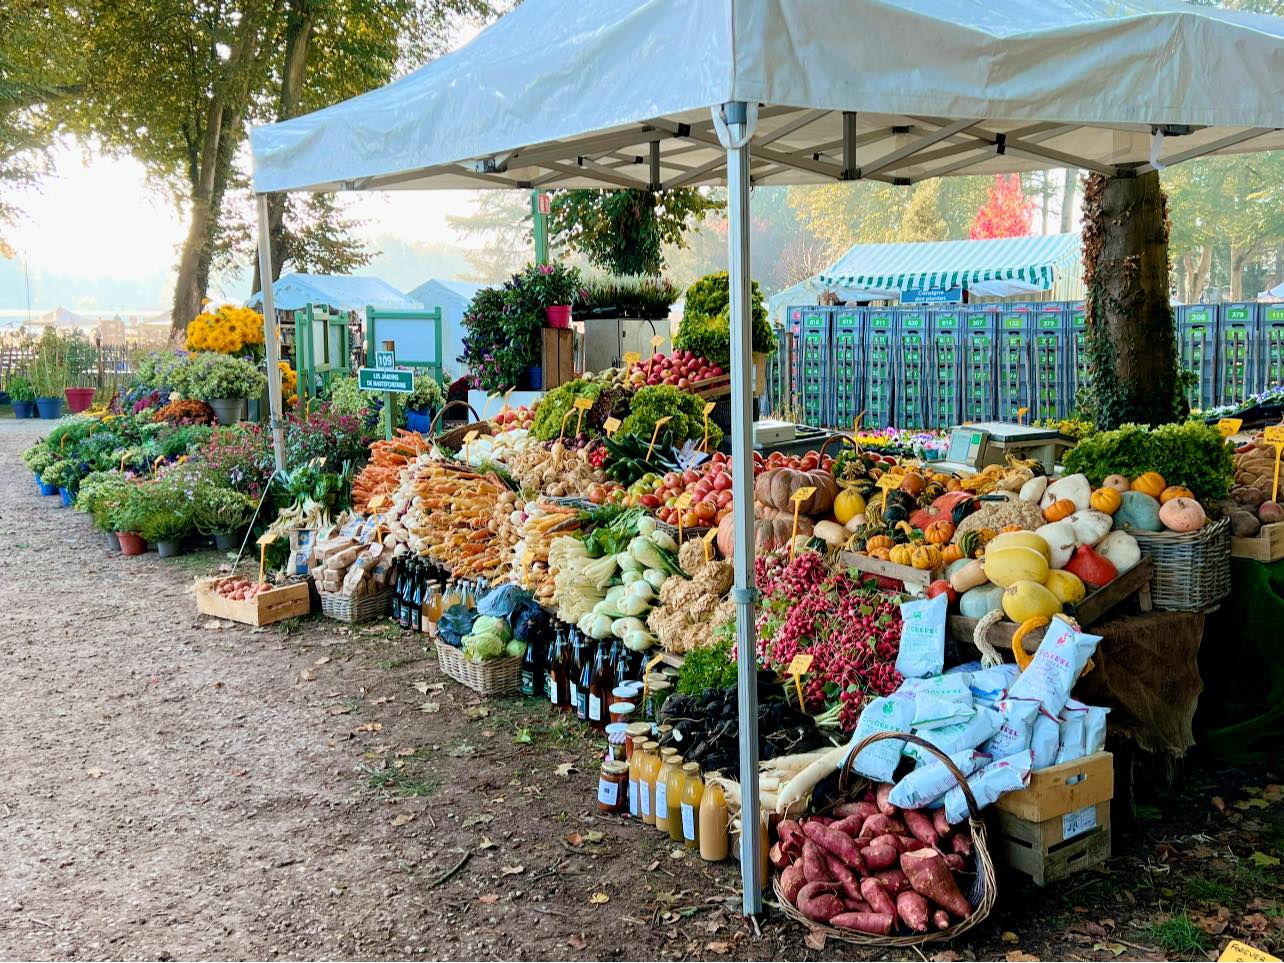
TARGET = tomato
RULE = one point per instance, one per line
(705, 512)
(649, 501)
(689, 518)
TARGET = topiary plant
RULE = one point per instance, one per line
(706, 320)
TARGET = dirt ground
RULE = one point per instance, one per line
(179, 787)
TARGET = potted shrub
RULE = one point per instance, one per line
(38, 458)
(224, 383)
(23, 395)
(99, 496)
(705, 329)
(66, 475)
(552, 287)
(49, 374)
(222, 513)
(127, 515)
(422, 403)
(82, 359)
(167, 518)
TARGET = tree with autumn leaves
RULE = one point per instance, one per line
(1006, 213)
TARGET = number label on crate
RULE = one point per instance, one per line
(1078, 822)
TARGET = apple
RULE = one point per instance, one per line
(942, 587)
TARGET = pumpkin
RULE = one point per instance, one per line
(1182, 514)
(848, 505)
(1020, 537)
(926, 557)
(1138, 511)
(878, 541)
(1150, 483)
(1016, 563)
(1174, 491)
(970, 575)
(901, 555)
(880, 553)
(1090, 527)
(769, 534)
(776, 487)
(1061, 508)
(1029, 600)
(1066, 586)
(1117, 482)
(1074, 487)
(1121, 549)
(1093, 569)
(980, 601)
(938, 533)
(951, 553)
(913, 483)
(1061, 540)
(1105, 500)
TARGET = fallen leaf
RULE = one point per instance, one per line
(369, 727)
(488, 898)
(477, 819)
(511, 870)
(815, 940)
(593, 836)
(478, 712)
(678, 852)
(1007, 936)
(485, 843)
(945, 956)
(322, 661)
(430, 707)
(339, 710)
(1264, 860)
(406, 751)
(599, 897)
(655, 864)
(576, 941)
(1114, 949)
(99, 773)
(565, 769)
(1255, 923)
(420, 687)
(575, 839)
(403, 818)
(381, 700)
(523, 737)
(1018, 956)
(718, 946)
(307, 675)
(1216, 924)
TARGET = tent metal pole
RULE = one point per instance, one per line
(735, 128)
(271, 337)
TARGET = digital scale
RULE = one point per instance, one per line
(982, 443)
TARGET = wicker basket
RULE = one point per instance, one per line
(363, 608)
(494, 677)
(454, 438)
(1192, 569)
(984, 889)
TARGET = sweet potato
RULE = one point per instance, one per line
(940, 919)
(777, 855)
(928, 875)
(907, 844)
(792, 880)
(851, 825)
(955, 862)
(840, 844)
(876, 895)
(869, 794)
(815, 869)
(790, 835)
(843, 876)
(879, 924)
(894, 880)
(816, 901)
(861, 809)
(890, 839)
(880, 823)
(879, 858)
(881, 794)
(961, 842)
(820, 820)
(920, 826)
(940, 823)
(856, 906)
(911, 907)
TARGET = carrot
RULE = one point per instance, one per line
(928, 875)
(879, 924)
(816, 901)
(840, 844)
(911, 907)
(815, 869)
(843, 876)
(792, 880)
(880, 823)
(921, 826)
(876, 895)
(881, 800)
(894, 880)
(861, 809)
(940, 919)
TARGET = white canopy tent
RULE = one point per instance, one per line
(341, 292)
(667, 93)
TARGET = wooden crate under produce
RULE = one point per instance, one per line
(1064, 788)
(557, 356)
(1266, 546)
(274, 605)
(876, 566)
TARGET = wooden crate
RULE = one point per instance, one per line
(1054, 848)
(876, 566)
(1062, 789)
(265, 608)
(1267, 546)
(557, 356)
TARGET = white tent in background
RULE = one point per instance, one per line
(805, 291)
(1275, 292)
(342, 292)
(452, 297)
(668, 93)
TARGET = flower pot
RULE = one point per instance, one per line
(49, 407)
(24, 409)
(228, 411)
(420, 421)
(66, 497)
(131, 544)
(47, 489)
(169, 549)
(113, 542)
(225, 541)
(558, 315)
(78, 399)
(533, 380)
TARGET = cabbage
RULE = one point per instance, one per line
(487, 646)
(492, 625)
(515, 648)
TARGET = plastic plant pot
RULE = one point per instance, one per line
(131, 544)
(66, 497)
(47, 489)
(558, 315)
(113, 542)
(169, 549)
(78, 399)
(225, 541)
(49, 408)
(24, 409)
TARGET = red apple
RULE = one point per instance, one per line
(942, 587)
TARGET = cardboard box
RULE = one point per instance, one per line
(557, 356)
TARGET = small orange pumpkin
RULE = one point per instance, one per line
(951, 553)
(953, 485)
(878, 541)
(1011, 528)
(1175, 491)
(926, 557)
(881, 553)
(901, 555)
(1151, 483)
(939, 532)
(1106, 500)
(1061, 508)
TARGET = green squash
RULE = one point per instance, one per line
(976, 602)
(1138, 512)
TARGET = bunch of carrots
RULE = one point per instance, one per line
(382, 473)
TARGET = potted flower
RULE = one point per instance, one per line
(49, 374)
(82, 357)
(38, 458)
(422, 403)
(100, 494)
(222, 513)
(553, 288)
(127, 515)
(224, 383)
(66, 475)
(167, 518)
(23, 395)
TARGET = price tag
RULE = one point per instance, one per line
(682, 503)
(508, 394)
(1021, 413)
(611, 426)
(376, 503)
(631, 358)
(798, 667)
(486, 405)
(656, 341)
(1229, 426)
(1274, 435)
(469, 438)
(708, 409)
(582, 405)
(1078, 822)
(1237, 952)
(709, 536)
(802, 494)
(798, 498)
(659, 423)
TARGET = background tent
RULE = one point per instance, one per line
(804, 292)
(452, 297)
(341, 292)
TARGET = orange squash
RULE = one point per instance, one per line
(901, 555)
(875, 542)
(1061, 508)
(1151, 483)
(1106, 500)
(926, 557)
(1011, 528)
(1175, 491)
(776, 487)
(951, 553)
(881, 553)
(938, 533)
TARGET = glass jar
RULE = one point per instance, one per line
(638, 733)
(615, 736)
(692, 793)
(648, 771)
(621, 711)
(613, 787)
(657, 695)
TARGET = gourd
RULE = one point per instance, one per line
(1066, 586)
(968, 576)
(951, 553)
(913, 484)
(1061, 508)
(1182, 514)
(776, 486)
(942, 508)
(1004, 566)
(1090, 527)
(938, 533)
(881, 553)
(901, 554)
(956, 565)
(1033, 490)
(848, 504)
(1105, 500)
(926, 557)
(1094, 570)
(833, 534)
(1138, 511)
(1025, 538)
(1061, 540)
(1117, 482)
(1074, 487)
(970, 542)
(1029, 600)
(1120, 549)
(878, 541)
(1150, 483)
(769, 534)
(980, 601)
(1174, 491)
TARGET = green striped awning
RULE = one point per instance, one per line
(1031, 262)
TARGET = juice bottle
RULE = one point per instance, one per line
(675, 784)
(635, 778)
(663, 812)
(692, 793)
(713, 822)
(648, 771)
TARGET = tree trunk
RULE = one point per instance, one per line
(1198, 278)
(1239, 258)
(1132, 344)
(1068, 190)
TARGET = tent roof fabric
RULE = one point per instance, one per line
(430, 293)
(1033, 261)
(617, 93)
(341, 292)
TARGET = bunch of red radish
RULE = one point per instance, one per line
(679, 369)
(872, 867)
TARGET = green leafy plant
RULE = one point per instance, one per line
(547, 284)
(707, 668)
(213, 375)
(39, 457)
(49, 374)
(347, 398)
(625, 231)
(706, 320)
(1190, 453)
(65, 473)
(685, 411)
(167, 511)
(427, 395)
(634, 297)
(21, 389)
(556, 403)
(100, 496)
(220, 511)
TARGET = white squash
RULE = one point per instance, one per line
(833, 534)
(1033, 490)
(1074, 487)
(1061, 538)
(1121, 549)
(1091, 526)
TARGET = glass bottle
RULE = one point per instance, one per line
(417, 601)
(600, 685)
(398, 588)
(554, 679)
(587, 651)
(663, 812)
(450, 597)
(431, 612)
(403, 617)
(675, 782)
(647, 773)
(573, 670)
(713, 821)
(635, 779)
(692, 793)
(532, 669)
(566, 663)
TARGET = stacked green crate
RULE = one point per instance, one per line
(814, 365)
(880, 365)
(1270, 347)
(1236, 353)
(1074, 322)
(980, 354)
(911, 371)
(945, 390)
(1014, 385)
(845, 369)
(1050, 349)
(1197, 349)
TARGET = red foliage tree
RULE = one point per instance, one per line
(1007, 211)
